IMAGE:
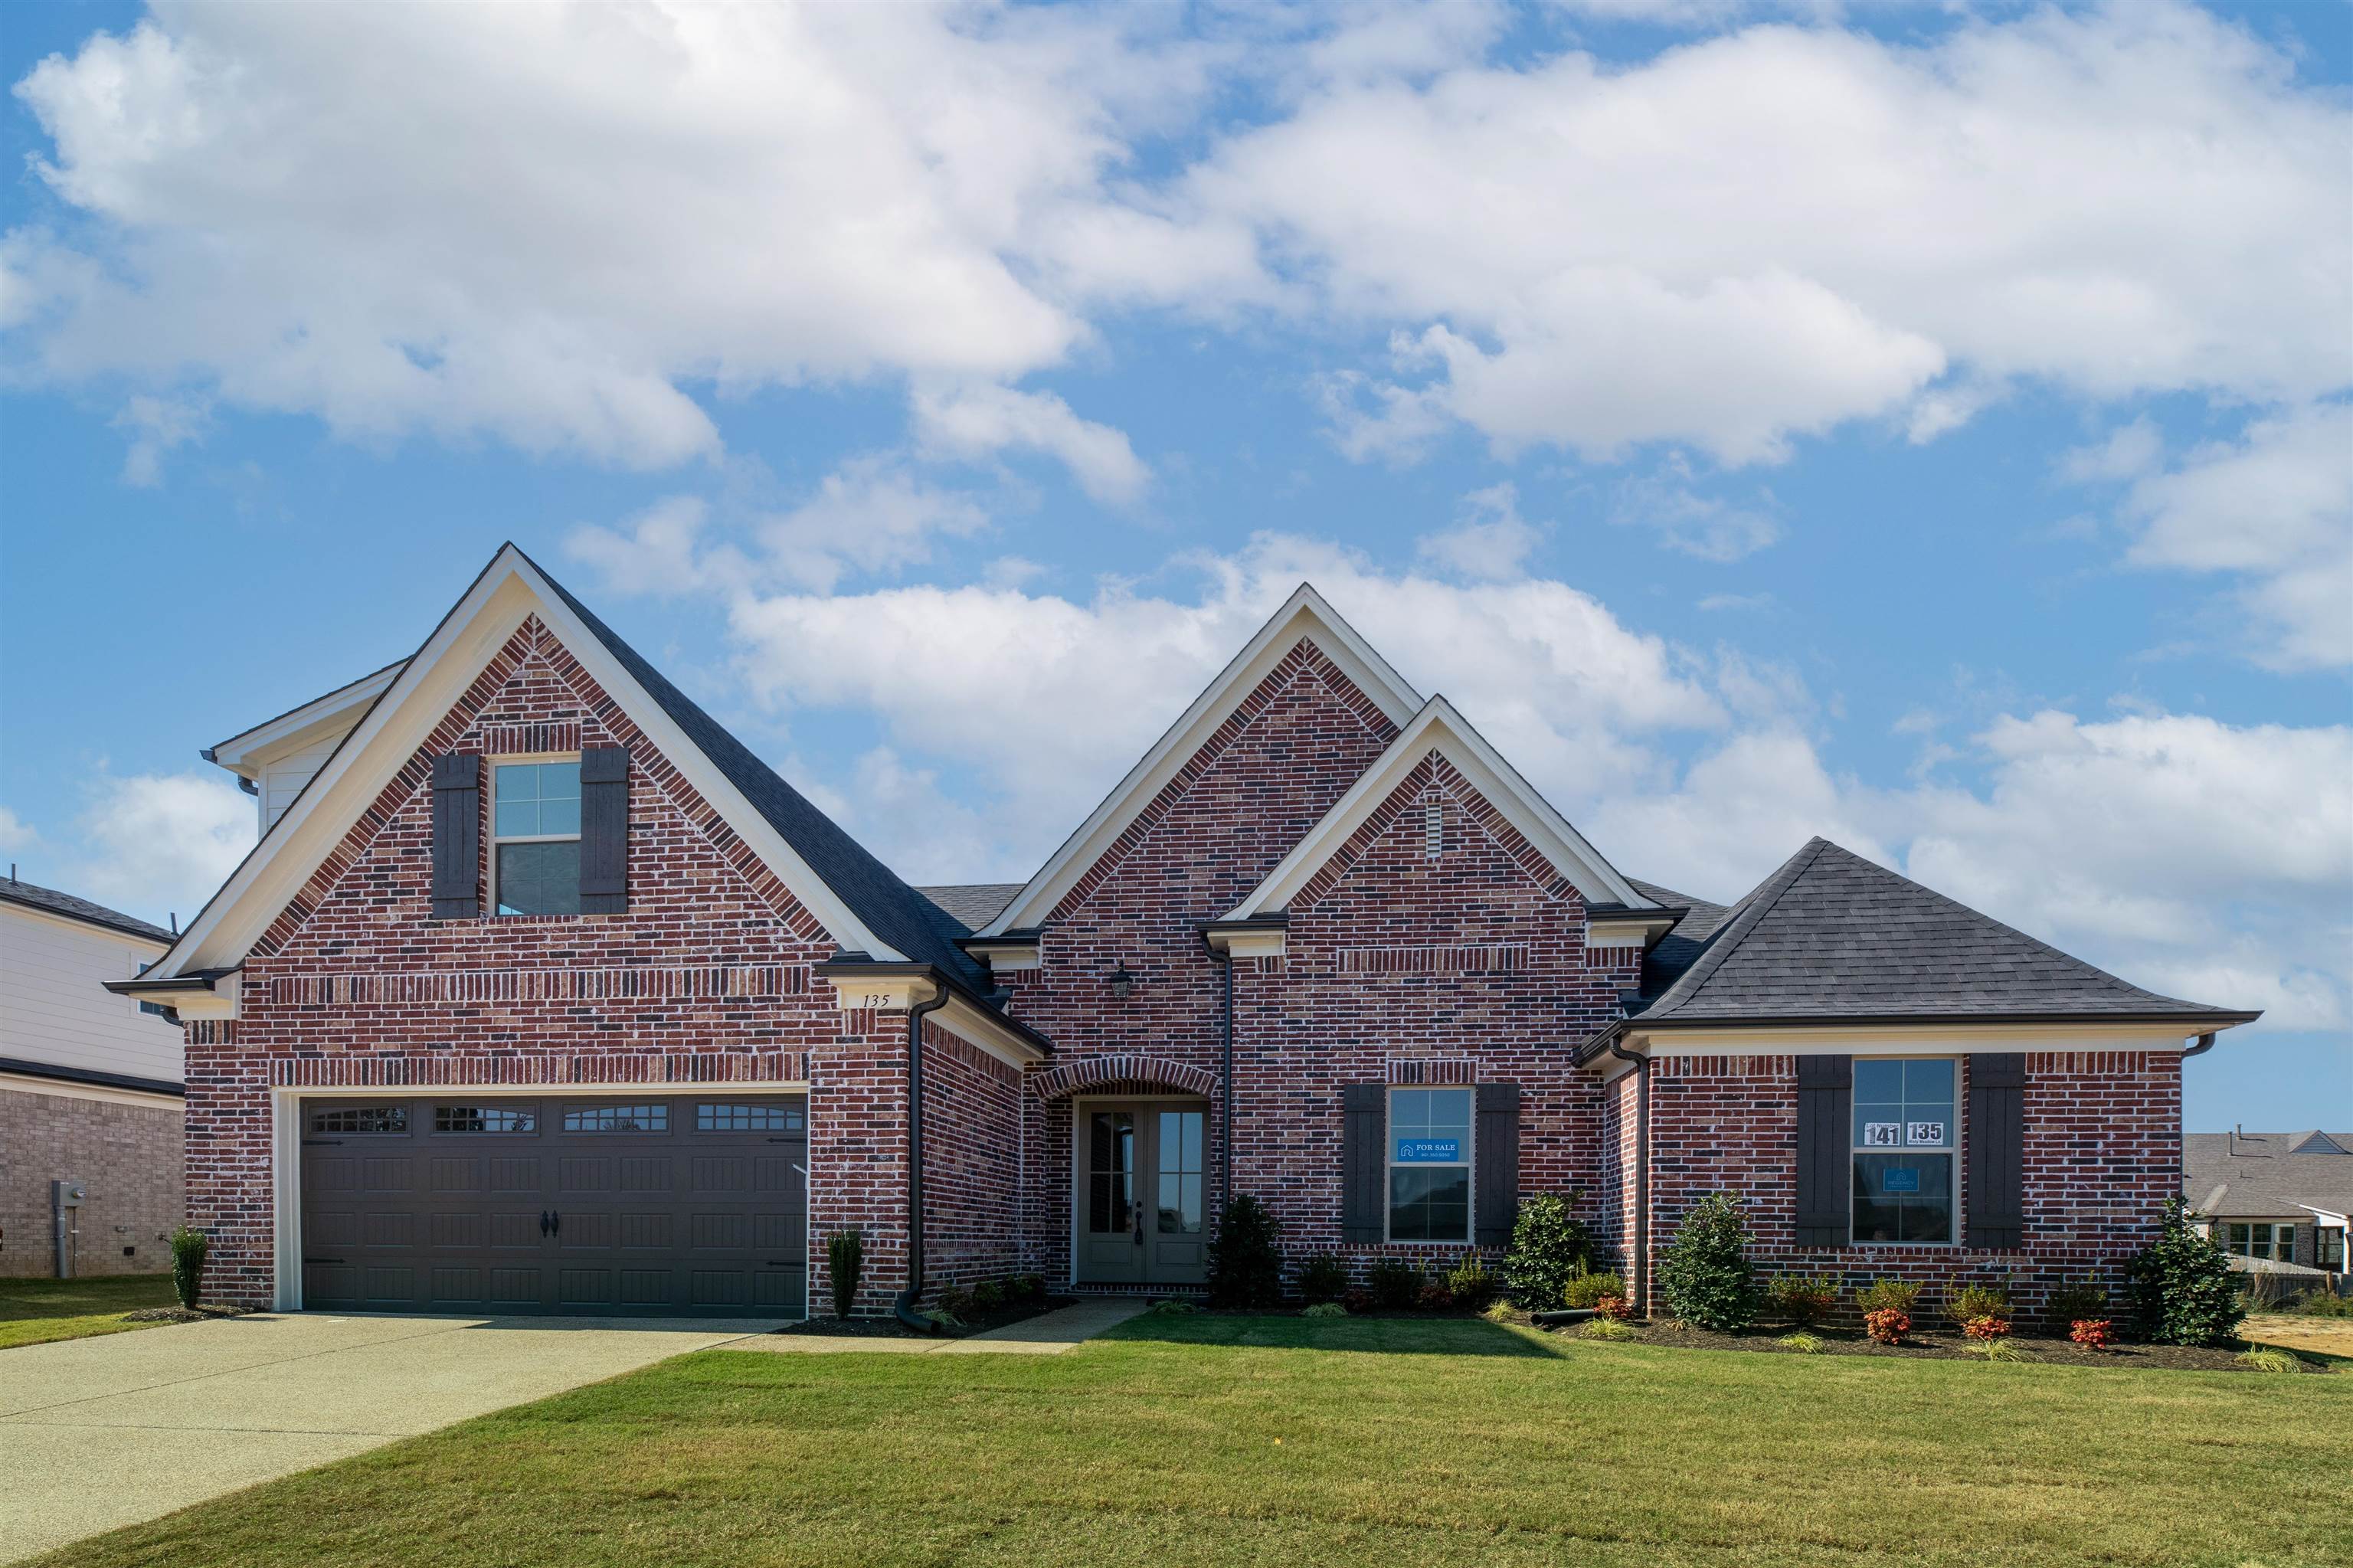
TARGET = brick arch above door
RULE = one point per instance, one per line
(1145, 1073)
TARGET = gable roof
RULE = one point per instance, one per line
(332, 713)
(1305, 614)
(1830, 937)
(1439, 730)
(2267, 1175)
(971, 904)
(65, 905)
(858, 900)
(1671, 955)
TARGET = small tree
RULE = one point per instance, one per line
(1245, 1259)
(1549, 1247)
(188, 1250)
(845, 1264)
(2183, 1290)
(1704, 1272)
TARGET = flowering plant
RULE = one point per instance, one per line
(1986, 1328)
(2092, 1333)
(1613, 1306)
(1888, 1325)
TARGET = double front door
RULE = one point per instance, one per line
(1142, 1191)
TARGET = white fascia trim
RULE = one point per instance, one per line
(1265, 942)
(63, 1089)
(2331, 1216)
(1003, 957)
(1305, 614)
(977, 1026)
(427, 688)
(1898, 1040)
(334, 713)
(1439, 729)
(84, 927)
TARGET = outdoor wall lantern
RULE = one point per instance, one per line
(1122, 982)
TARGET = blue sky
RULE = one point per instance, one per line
(1922, 426)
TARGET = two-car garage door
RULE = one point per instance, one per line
(634, 1204)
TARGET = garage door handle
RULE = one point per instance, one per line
(322, 1260)
(555, 1223)
(544, 1225)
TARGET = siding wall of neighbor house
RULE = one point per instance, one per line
(706, 978)
(53, 1011)
(282, 777)
(1292, 748)
(1404, 968)
(2103, 1136)
(125, 1149)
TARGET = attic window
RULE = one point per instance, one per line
(1433, 830)
(535, 837)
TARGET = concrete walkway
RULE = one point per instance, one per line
(1047, 1334)
(99, 1433)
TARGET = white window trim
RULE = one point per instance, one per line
(1953, 1238)
(1470, 1164)
(491, 790)
(2270, 1241)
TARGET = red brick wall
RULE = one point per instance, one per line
(1403, 968)
(1291, 748)
(707, 976)
(973, 1111)
(2103, 1152)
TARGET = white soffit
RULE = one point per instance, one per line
(1440, 729)
(1305, 614)
(509, 590)
(334, 714)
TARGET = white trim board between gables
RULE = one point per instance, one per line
(508, 592)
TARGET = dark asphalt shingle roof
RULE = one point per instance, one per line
(1680, 948)
(82, 909)
(1831, 936)
(2261, 1175)
(972, 904)
(890, 908)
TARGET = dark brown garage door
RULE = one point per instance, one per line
(680, 1204)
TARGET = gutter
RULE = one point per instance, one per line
(903, 1307)
(1226, 1082)
(2205, 1043)
(1639, 1255)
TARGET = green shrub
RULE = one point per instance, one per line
(1396, 1285)
(1610, 1329)
(2321, 1304)
(1175, 1306)
(1323, 1279)
(2183, 1290)
(1997, 1349)
(1967, 1302)
(988, 1296)
(188, 1250)
(1470, 1285)
(2269, 1358)
(1585, 1289)
(1434, 1296)
(1549, 1247)
(1026, 1287)
(845, 1262)
(953, 1301)
(2079, 1301)
(1888, 1296)
(1245, 1256)
(942, 1320)
(1704, 1272)
(1804, 1300)
(1323, 1310)
(1500, 1310)
(1805, 1344)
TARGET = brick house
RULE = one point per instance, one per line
(542, 992)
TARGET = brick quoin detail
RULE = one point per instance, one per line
(706, 978)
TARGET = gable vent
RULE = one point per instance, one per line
(1433, 832)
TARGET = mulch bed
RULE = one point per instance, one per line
(892, 1329)
(1937, 1344)
(182, 1315)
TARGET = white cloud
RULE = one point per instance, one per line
(1490, 540)
(546, 223)
(17, 836)
(156, 425)
(656, 552)
(1706, 526)
(154, 845)
(1763, 234)
(976, 421)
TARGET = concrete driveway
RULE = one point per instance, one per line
(99, 1433)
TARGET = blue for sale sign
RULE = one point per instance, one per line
(1429, 1151)
(1899, 1181)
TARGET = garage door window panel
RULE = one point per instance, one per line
(617, 1119)
(508, 1120)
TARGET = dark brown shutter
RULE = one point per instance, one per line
(604, 831)
(457, 836)
(1364, 1137)
(1496, 1186)
(1997, 1140)
(1825, 1197)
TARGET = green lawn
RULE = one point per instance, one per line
(35, 1312)
(1216, 1440)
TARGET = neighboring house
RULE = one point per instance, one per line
(89, 1088)
(2272, 1197)
(543, 992)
